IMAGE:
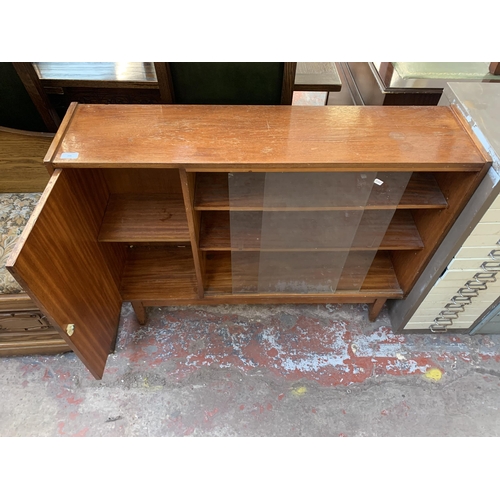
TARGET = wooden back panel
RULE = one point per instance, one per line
(72, 277)
(21, 160)
(143, 181)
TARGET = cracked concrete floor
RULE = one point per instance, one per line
(259, 370)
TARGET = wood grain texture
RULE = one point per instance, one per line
(401, 234)
(188, 182)
(433, 225)
(212, 193)
(165, 82)
(61, 131)
(34, 334)
(159, 273)
(422, 191)
(379, 282)
(31, 345)
(140, 312)
(375, 308)
(143, 181)
(16, 302)
(268, 138)
(144, 218)
(23, 343)
(70, 276)
(21, 161)
(289, 71)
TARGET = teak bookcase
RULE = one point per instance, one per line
(172, 205)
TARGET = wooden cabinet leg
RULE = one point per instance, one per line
(140, 312)
(375, 308)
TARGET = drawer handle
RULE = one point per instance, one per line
(467, 293)
(490, 266)
(495, 254)
(449, 314)
(476, 285)
(438, 329)
(452, 306)
(440, 320)
(469, 290)
(488, 277)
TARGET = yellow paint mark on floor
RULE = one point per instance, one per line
(433, 374)
(299, 391)
(145, 383)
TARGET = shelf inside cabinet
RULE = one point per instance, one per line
(159, 272)
(380, 279)
(215, 233)
(212, 193)
(144, 218)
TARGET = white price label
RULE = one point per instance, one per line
(69, 156)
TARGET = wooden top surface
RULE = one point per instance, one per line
(266, 137)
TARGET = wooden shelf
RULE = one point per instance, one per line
(159, 273)
(144, 218)
(422, 191)
(317, 77)
(81, 73)
(212, 193)
(380, 280)
(401, 234)
(168, 148)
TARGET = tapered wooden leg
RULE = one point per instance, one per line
(375, 308)
(140, 312)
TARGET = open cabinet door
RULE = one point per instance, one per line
(72, 277)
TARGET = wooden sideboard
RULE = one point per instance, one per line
(174, 205)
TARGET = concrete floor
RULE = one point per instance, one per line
(291, 370)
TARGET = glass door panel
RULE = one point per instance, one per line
(298, 232)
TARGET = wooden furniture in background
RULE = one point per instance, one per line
(23, 107)
(24, 330)
(23, 327)
(371, 87)
(142, 207)
(319, 78)
(32, 84)
(409, 84)
(165, 83)
(494, 68)
(21, 160)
